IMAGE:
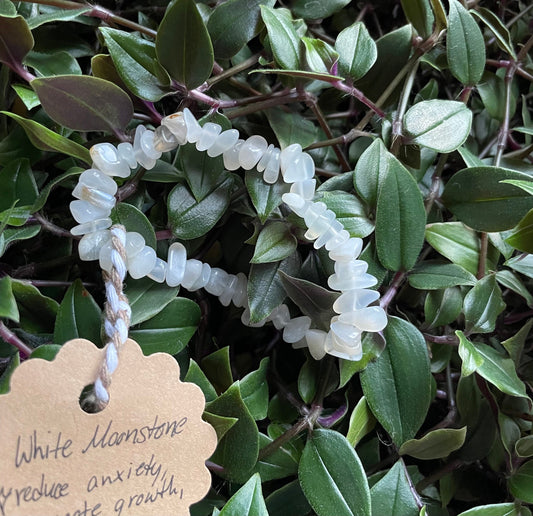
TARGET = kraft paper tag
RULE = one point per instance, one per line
(144, 454)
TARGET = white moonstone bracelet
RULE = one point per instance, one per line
(95, 193)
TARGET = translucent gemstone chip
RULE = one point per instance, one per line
(320, 225)
(84, 211)
(194, 129)
(336, 239)
(90, 227)
(94, 196)
(93, 178)
(90, 245)
(176, 125)
(134, 244)
(251, 151)
(106, 159)
(229, 291)
(347, 251)
(240, 295)
(315, 210)
(208, 136)
(159, 271)
(140, 146)
(296, 328)
(342, 284)
(288, 155)
(265, 158)
(354, 300)
(202, 279)
(193, 270)
(299, 168)
(316, 342)
(271, 173)
(305, 188)
(231, 156)
(370, 318)
(177, 258)
(280, 316)
(142, 263)
(164, 139)
(126, 154)
(296, 203)
(224, 142)
(217, 281)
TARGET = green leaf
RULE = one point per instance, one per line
(45, 191)
(170, 330)
(8, 303)
(265, 289)
(307, 379)
(27, 95)
(436, 444)
(521, 236)
(400, 218)
(399, 399)
(478, 197)
(313, 300)
(274, 243)
(189, 218)
(55, 63)
(442, 306)
(496, 26)
(333, 486)
(221, 424)
(524, 446)
(281, 463)
(135, 61)
(183, 45)
(526, 185)
(301, 74)
(510, 280)
(18, 184)
(521, 485)
(435, 275)
(247, 501)
(16, 40)
(56, 15)
(7, 8)
(420, 16)
(522, 264)
(493, 366)
(217, 367)
(349, 211)
(317, 10)
(319, 55)
(234, 23)
(5, 377)
(439, 125)
(482, 305)
(78, 316)
(254, 391)
(459, 244)
(265, 197)
(392, 494)
(291, 127)
(16, 216)
(515, 345)
(357, 51)
(147, 298)
(283, 37)
(197, 376)
(47, 140)
(373, 345)
(238, 450)
(84, 103)
(370, 171)
(465, 46)
(362, 421)
(8, 236)
(472, 360)
(497, 509)
(134, 219)
(288, 500)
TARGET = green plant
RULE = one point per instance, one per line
(419, 124)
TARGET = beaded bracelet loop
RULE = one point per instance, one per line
(95, 194)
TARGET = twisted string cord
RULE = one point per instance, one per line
(117, 313)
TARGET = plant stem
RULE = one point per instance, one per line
(285, 437)
(51, 227)
(435, 182)
(8, 336)
(412, 488)
(392, 290)
(483, 249)
(359, 95)
(226, 74)
(452, 340)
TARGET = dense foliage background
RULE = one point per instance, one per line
(418, 114)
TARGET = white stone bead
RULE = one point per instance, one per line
(337, 239)
(315, 210)
(90, 245)
(341, 283)
(217, 281)
(95, 197)
(288, 155)
(93, 178)
(316, 342)
(134, 244)
(126, 154)
(105, 256)
(177, 258)
(332, 232)
(352, 268)
(271, 173)
(142, 158)
(194, 129)
(245, 319)
(339, 346)
(176, 125)
(296, 328)
(193, 270)
(370, 318)
(106, 159)
(229, 290)
(202, 279)
(224, 141)
(280, 316)
(158, 273)
(355, 300)
(345, 332)
(302, 167)
(320, 225)
(90, 227)
(264, 158)
(142, 263)
(305, 188)
(231, 156)
(240, 295)
(251, 151)
(208, 136)
(84, 211)
(164, 139)
(296, 203)
(148, 145)
(348, 251)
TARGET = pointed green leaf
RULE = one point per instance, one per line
(521, 237)
(524, 446)
(482, 305)
(5, 377)
(357, 51)
(362, 421)
(333, 486)
(254, 391)
(147, 298)
(18, 184)
(420, 16)
(84, 103)
(288, 500)
(279, 464)
(434, 276)
(521, 483)
(398, 398)
(197, 376)
(183, 45)
(16, 40)
(436, 444)
(56, 15)
(221, 424)
(472, 359)
(497, 27)
(317, 10)
(265, 197)
(8, 303)
(274, 243)
(247, 501)
(497, 509)
(371, 168)
(217, 368)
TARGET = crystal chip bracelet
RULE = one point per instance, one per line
(95, 194)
